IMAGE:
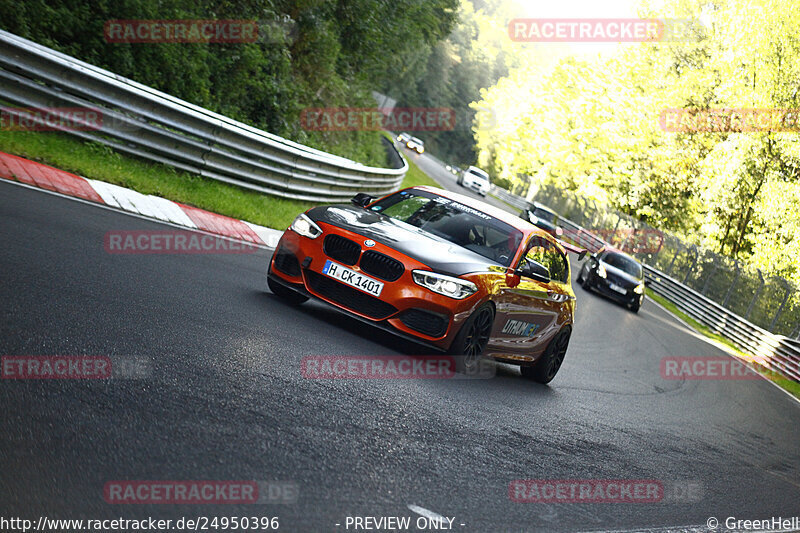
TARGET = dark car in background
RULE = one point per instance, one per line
(542, 216)
(616, 275)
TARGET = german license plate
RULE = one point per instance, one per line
(616, 288)
(352, 278)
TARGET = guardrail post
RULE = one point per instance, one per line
(616, 225)
(755, 295)
(694, 263)
(595, 212)
(783, 303)
(708, 279)
(733, 283)
(678, 247)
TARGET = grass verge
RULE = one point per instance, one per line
(96, 161)
(415, 176)
(787, 384)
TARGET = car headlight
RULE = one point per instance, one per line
(304, 226)
(601, 270)
(639, 289)
(447, 285)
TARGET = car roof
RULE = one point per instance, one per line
(617, 251)
(416, 139)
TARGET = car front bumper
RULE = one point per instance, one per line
(404, 307)
(476, 187)
(602, 285)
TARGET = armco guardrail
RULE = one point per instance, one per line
(775, 352)
(144, 122)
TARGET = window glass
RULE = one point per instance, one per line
(624, 263)
(545, 253)
(455, 222)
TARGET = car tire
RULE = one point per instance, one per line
(286, 294)
(636, 305)
(551, 360)
(470, 342)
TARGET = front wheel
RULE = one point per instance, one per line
(471, 340)
(550, 362)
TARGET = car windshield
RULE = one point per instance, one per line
(544, 214)
(455, 222)
(624, 263)
(479, 173)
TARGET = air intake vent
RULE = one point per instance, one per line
(341, 249)
(286, 262)
(381, 266)
(348, 297)
(431, 324)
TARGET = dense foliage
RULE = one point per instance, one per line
(591, 124)
(451, 74)
(310, 53)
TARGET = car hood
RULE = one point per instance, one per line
(439, 254)
(621, 274)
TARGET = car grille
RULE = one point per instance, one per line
(381, 266)
(342, 249)
(618, 280)
(286, 262)
(349, 297)
(431, 324)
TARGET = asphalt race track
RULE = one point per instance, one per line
(223, 399)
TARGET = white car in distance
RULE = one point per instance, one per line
(475, 179)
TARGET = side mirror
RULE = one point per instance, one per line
(361, 199)
(647, 282)
(534, 270)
